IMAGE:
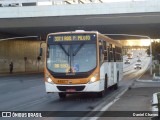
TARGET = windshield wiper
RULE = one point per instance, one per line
(63, 49)
(77, 50)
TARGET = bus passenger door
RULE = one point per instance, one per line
(115, 66)
(111, 66)
(103, 62)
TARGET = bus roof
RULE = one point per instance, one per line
(77, 31)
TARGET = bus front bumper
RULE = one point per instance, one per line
(89, 87)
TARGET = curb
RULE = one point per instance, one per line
(156, 77)
(155, 103)
(148, 81)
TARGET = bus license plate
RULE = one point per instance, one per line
(62, 81)
(70, 90)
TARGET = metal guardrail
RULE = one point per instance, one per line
(20, 3)
(156, 77)
(23, 9)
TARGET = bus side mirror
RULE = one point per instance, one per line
(40, 51)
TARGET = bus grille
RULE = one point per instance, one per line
(64, 88)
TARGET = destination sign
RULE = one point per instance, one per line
(71, 37)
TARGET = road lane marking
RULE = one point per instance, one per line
(105, 108)
(148, 80)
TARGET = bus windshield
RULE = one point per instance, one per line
(68, 58)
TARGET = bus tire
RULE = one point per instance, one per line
(117, 84)
(106, 82)
(102, 93)
(62, 95)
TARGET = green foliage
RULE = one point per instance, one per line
(148, 51)
(155, 50)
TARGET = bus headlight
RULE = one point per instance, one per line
(93, 79)
(49, 79)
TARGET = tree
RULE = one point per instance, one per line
(148, 51)
(155, 50)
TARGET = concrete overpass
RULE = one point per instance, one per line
(133, 17)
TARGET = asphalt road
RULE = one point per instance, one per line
(27, 93)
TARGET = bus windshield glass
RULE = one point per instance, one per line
(71, 57)
(80, 58)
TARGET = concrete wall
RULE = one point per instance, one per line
(81, 9)
(16, 50)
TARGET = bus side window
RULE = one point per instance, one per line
(100, 51)
(109, 58)
(118, 53)
(105, 50)
(111, 53)
(104, 45)
(114, 54)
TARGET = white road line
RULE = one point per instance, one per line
(106, 107)
(149, 81)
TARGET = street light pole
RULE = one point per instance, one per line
(140, 36)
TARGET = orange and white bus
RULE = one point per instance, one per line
(81, 61)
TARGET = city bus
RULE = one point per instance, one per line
(80, 62)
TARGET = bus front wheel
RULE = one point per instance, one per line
(102, 93)
(117, 84)
(62, 95)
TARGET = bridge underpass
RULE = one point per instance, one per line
(106, 24)
(134, 17)
(127, 49)
(108, 20)
(24, 55)
(29, 89)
